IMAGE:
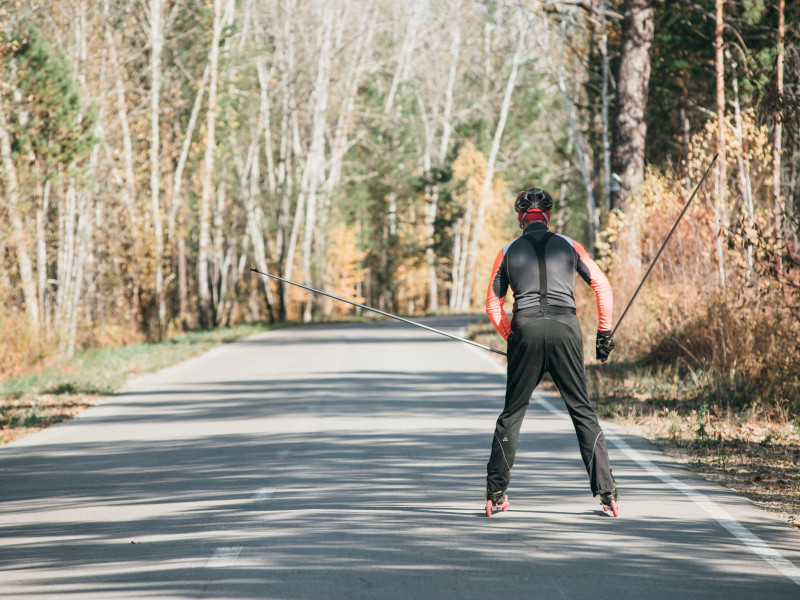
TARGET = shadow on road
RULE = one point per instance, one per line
(373, 489)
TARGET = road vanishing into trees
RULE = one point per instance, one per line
(348, 461)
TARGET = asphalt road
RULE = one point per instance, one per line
(348, 461)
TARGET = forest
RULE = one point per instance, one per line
(151, 152)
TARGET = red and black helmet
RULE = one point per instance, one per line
(533, 200)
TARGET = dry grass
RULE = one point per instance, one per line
(747, 452)
(22, 417)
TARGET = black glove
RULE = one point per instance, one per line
(604, 345)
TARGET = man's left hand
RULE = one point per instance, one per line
(604, 345)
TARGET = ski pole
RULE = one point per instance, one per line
(671, 231)
(380, 312)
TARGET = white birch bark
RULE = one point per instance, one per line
(177, 178)
(266, 123)
(285, 237)
(11, 185)
(316, 154)
(297, 221)
(41, 251)
(207, 176)
(720, 187)
(156, 10)
(778, 206)
(254, 214)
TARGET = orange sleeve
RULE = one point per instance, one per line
(592, 274)
(494, 301)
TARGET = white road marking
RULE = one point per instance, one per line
(224, 557)
(263, 494)
(752, 541)
(723, 517)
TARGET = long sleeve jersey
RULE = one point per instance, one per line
(541, 261)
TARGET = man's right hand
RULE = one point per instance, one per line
(604, 345)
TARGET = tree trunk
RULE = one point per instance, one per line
(685, 131)
(156, 47)
(254, 216)
(316, 153)
(176, 215)
(207, 177)
(630, 127)
(41, 250)
(605, 102)
(745, 183)
(285, 178)
(778, 207)
(720, 187)
(11, 186)
(297, 222)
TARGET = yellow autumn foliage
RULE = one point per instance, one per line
(345, 273)
(714, 300)
(498, 225)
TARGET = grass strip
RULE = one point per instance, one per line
(57, 392)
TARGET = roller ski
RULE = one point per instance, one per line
(608, 500)
(496, 501)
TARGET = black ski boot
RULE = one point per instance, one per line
(496, 501)
(608, 500)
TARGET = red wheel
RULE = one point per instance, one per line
(488, 508)
(614, 508)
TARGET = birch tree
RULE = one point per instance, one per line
(207, 175)
(777, 203)
(12, 201)
(720, 183)
(155, 14)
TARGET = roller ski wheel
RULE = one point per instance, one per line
(608, 500)
(495, 502)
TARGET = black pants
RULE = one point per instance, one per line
(547, 341)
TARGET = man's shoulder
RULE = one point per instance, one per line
(566, 238)
(505, 248)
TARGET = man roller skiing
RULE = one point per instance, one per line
(544, 336)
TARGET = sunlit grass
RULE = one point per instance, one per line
(60, 390)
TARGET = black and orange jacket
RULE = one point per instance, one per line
(543, 261)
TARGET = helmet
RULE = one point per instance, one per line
(533, 200)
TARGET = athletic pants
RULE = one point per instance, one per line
(547, 340)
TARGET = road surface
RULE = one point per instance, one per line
(348, 461)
